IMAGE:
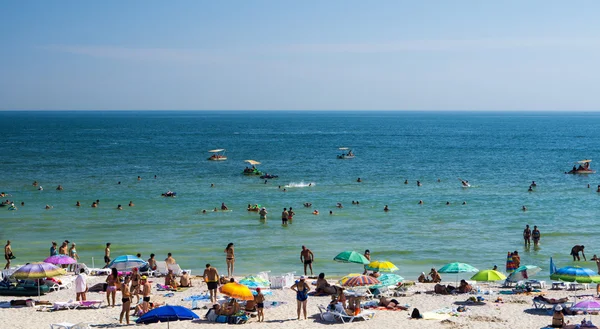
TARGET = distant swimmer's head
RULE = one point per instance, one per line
(447, 203)
(464, 202)
(420, 201)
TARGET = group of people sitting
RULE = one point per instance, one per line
(184, 281)
(435, 277)
(463, 288)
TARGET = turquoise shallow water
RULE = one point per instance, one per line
(499, 153)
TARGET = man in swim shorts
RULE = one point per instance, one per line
(211, 277)
(575, 252)
(284, 216)
(527, 235)
(146, 289)
(107, 254)
(307, 257)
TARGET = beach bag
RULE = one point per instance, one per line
(416, 314)
(221, 319)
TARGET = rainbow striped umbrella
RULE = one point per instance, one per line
(575, 274)
(38, 271)
(381, 266)
(361, 281)
(347, 277)
(510, 264)
(60, 260)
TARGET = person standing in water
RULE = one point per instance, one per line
(230, 259)
(575, 252)
(307, 257)
(8, 255)
(536, 235)
(263, 214)
(107, 254)
(527, 235)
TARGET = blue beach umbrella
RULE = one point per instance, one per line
(126, 262)
(576, 274)
(167, 314)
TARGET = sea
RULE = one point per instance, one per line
(99, 156)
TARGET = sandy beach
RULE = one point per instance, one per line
(515, 311)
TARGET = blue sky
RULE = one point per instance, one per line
(299, 55)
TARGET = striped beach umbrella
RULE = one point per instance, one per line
(343, 280)
(38, 271)
(510, 264)
(575, 274)
(381, 266)
(361, 281)
(523, 272)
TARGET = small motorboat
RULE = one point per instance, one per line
(267, 176)
(346, 153)
(169, 194)
(218, 155)
(252, 170)
(583, 169)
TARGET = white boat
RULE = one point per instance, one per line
(346, 153)
(218, 155)
(583, 169)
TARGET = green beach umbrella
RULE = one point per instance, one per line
(388, 279)
(488, 275)
(351, 257)
(576, 274)
(457, 268)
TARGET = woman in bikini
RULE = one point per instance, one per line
(73, 254)
(135, 283)
(229, 259)
(111, 288)
(301, 288)
(126, 299)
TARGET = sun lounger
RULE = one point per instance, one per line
(329, 315)
(91, 303)
(577, 286)
(67, 325)
(70, 305)
(161, 268)
(65, 283)
(177, 269)
(540, 302)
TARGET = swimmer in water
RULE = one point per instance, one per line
(47, 207)
(212, 185)
(214, 210)
(330, 212)
(524, 208)
(119, 207)
(420, 201)
(40, 188)
(94, 205)
(406, 181)
(447, 203)
(419, 183)
(533, 184)
(78, 204)
(464, 203)
(465, 183)
(59, 188)
(358, 180)
(316, 212)
(139, 178)
(131, 204)
(386, 208)
(339, 205)
(204, 211)
(223, 206)
(530, 189)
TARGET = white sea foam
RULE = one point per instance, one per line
(301, 184)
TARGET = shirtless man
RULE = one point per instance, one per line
(107, 253)
(307, 257)
(170, 260)
(211, 277)
(152, 262)
(575, 252)
(284, 216)
(7, 254)
(146, 289)
(527, 235)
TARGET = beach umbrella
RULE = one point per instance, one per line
(457, 268)
(586, 305)
(388, 279)
(523, 272)
(237, 291)
(126, 262)
(60, 260)
(41, 270)
(351, 257)
(552, 266)
(255, 282)
(488, 275)
(575, 274)
(167, 314)
(510, 264)
(381, 266)
(345, 278)
(361, 281)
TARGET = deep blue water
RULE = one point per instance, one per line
(499, 153)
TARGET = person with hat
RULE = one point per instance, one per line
(259, 299)
(558, 318)
(263, 213)
(301, 288)
(146, 289)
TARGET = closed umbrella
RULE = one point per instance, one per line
(381, 266)
(42, 270)
(351, 257)
(126, 262)
(488, 275)
(523, 272)
(60, 260)
(575, 274)
(237, 291)
(167, 314)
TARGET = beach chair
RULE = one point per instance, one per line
(65, 284)
(161, 268)
(345, 318)
(177, 269)
(325, 314)
(70, 305)
(96, 304)
(543, 303)
(67, 325)
(79, 266)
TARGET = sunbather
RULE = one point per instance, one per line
(170, 280)
(558, 318)
(185, 280)
(324, 288)
(391, 304)
(464, 287)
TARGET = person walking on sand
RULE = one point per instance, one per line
(307, 257)
(527, 235)
(111, 286)
(7, 254)
(211, 277)
(107, 254)
(536, 235)
(259, 300)
(301, 288)
(126, 300)
(81, 287)
(575, 252)
(230, 259)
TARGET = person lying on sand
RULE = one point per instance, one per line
(391, 304)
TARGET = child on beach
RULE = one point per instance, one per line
(259, 299)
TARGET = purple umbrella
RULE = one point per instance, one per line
(60, 260)
(587, 305)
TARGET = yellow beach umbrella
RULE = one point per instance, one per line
(381, 266)
(237, 291)
(488, 275)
